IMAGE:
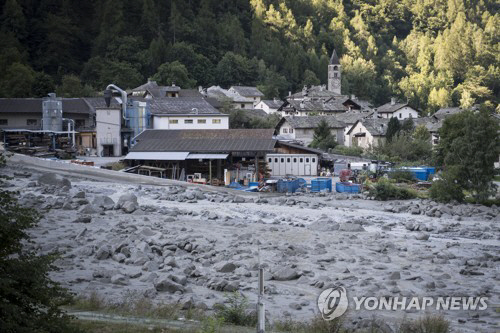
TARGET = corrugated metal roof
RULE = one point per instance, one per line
(157, 156)
(206, 141)
(207, 156)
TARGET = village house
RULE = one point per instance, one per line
(302, 128)
(368, 133)
(317, 107)
(241, 97)
(397, 110)
(269, 106)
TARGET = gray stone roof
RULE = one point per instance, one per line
(445, 112)
(390, 108)
(34, 105)
(181, 105)
(317, 105)
(376, 126)
(313, 121)
(349, 118)
(247, 91)
(313, 92)
(155, 90)
(201, 141)
(273, 104)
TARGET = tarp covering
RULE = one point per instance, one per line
(157, 156)
(207, 156)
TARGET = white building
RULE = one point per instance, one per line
(186, 113)
(269, 106)
(108, 131)
(397, 110)
(368, 133)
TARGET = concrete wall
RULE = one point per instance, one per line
(163, 122)
(108, 130)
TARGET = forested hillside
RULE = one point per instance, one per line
(434, 53)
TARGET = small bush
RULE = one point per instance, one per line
(445, 190)
(348, 151)
(317, 325)
(428, 324)
(117, 166)
(384, 190)
(236, 312)
(402, 176)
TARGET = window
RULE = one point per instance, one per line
(335, 74)
(215, 121)
(291, 130)
(31, 122)
(173, 121)
(242, 106)
(276, 160)
(285, 130)
(307, 159)
(4, 122)
(79, 123)
(288, 160)
(202, 121)
(188, 121)
(295, 160)
(400, 115)
(301, 160)
(270, 160)
(282, 160)
(313, 159)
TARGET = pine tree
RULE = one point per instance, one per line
(392, 128)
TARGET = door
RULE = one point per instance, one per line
(295, 166)
(307, 166)
(288, 167)
(282, 166)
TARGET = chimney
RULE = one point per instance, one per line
(304, 90)
(353, 96)
(289, 93)
(107, 97)
(393, 100)
(302, 104)
(200, 89)
(173, 84)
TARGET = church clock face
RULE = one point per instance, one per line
(336, 83)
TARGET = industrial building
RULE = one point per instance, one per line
(219, 157)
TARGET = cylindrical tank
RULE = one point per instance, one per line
(52, 113)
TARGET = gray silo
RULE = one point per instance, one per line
(52, 113)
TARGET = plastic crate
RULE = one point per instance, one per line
(286, 185)
(321, 185)
(347, 187)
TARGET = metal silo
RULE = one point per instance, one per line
(52, 113)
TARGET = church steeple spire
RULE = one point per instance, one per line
(334, 73)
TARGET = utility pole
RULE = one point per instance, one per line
(261, 312)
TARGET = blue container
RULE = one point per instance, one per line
(252, 184)
(321, 185)
(285, 185)
(347, 187)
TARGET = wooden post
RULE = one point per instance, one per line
(210, 172)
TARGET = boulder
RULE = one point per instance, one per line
(104, 252)
(286, 274)
(53, 179)
(422, 236)
(119, 279)
(225, 267)
(104, 202)
(351, 227)
(129, 207)
(166, 284)
(124, 198)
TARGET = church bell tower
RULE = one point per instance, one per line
(334, 74)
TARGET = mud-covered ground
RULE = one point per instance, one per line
(183, 245)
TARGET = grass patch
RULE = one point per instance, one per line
(384, 190)
(133, 305)
(428, 324)
(317, 325)
(236, 311)
(496, 178)
(116, 166)
(88, 326)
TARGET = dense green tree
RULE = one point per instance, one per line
(468, 148)
(310, 78)
(174, 73)
(42, 85)
(323, 137)
(29, 300)
(392, 128)
(71, 86)
(13, 19)
(17, 81)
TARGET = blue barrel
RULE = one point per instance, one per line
(347, 187)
